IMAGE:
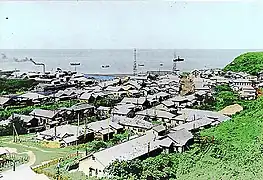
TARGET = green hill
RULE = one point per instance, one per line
(251, 62)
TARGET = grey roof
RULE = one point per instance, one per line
(190, 97)
(136, 101)
(103, 108)
(180, 136)
(166, 142)
(103, 124)
(128, 150)
(241, 80)
(134, 84)
(159, 128)
(44, 113)
(98, 94)
(70, 139)
(162, 107)
(123, 109)
(161, 94)
(192, 114)
(194, 124)
(156, 113)
(3, 100)
(32, 96)
(137, 121)
(168, 103)
(106, 131)
(200, 93)
(114, 88)
(86, 96)
(24, 118)
(179, 99)
(62, 130)
(81, 107)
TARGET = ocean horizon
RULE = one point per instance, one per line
(120, 61)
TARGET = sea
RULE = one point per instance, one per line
(116, 61)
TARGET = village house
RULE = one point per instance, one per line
(66, 135)
(47, 118)
(181, 140)
(241, 82)
(87, 96)
(195, 125)
(5, 101)
(134, 84)
(260, 76)
(179, 101)
(160, 130)
(161, 96)
(192, 115)
(192, 100)
(201, 84)
(31, 98)
(67, 94)
(103, 112)
(104, 129)
(219, 80)
(137, 125)
(79, 111)
(134, 93)
(157, 115)
(140, 102)
(247, 92)
(127, 110)
(31, 122)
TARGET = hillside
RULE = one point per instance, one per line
(235, 152)
(251, 62)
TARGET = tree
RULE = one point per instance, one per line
(125, 169)
(8, 129)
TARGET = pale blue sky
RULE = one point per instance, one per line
(122, 24)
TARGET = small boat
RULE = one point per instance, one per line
(105, 66)
(74, 64)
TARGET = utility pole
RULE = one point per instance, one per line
(134, 63)
(85, 128)
(58, 173)
(77, 136)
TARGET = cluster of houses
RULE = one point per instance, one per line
(162, 119)
(244, 84)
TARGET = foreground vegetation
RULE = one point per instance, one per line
(10, 86)
(251, 62)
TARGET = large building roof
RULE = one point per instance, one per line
(128, 150)
(44, 113)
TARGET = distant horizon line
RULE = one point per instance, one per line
(133, 48)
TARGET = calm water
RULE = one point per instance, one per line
(120, 61)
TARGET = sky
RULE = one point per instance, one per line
(131, 24)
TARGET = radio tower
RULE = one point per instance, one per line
(175, 60)
(134, 63)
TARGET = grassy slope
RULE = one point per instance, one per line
(237, 152)
(251, 62)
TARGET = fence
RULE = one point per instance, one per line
(40, 169)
